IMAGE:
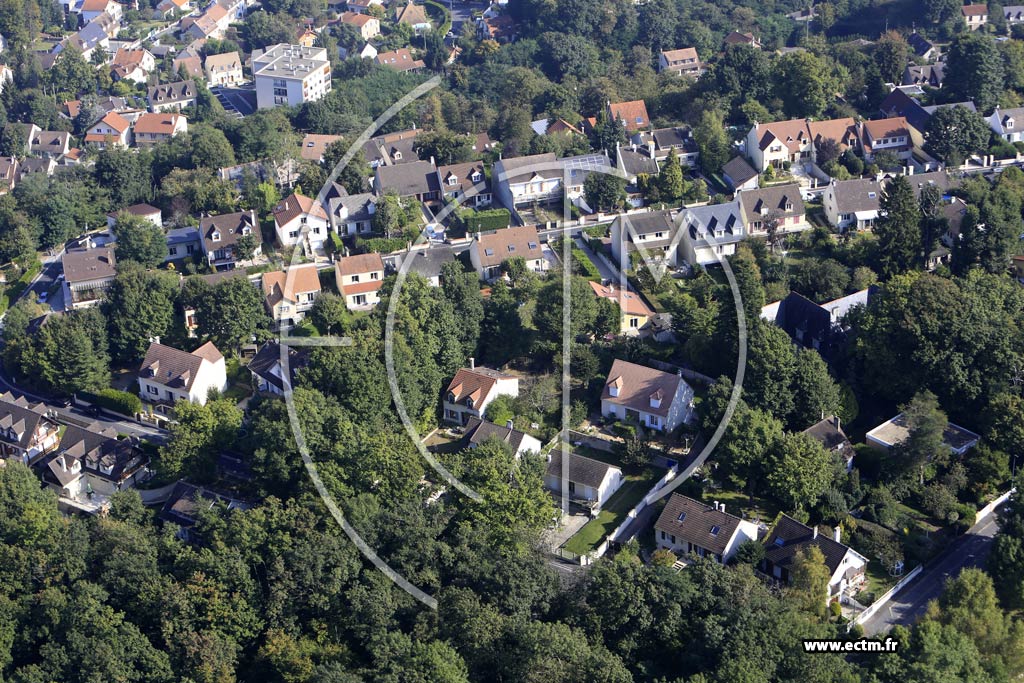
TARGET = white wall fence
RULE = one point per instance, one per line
(990, 508)
(619, 531)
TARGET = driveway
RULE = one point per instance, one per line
(603, 267)
(238, 102)
(45, 281)
(970, 550)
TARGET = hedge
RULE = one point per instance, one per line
(381, 245)
(446, 25)
(489, 219)
(119, 401)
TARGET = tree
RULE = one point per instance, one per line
(139, 240)
(139, 308)
(808, 580)
(444, 147)
(262, 29)
(712, 142)
(462, 289)
(390, 216)
(805, 83)
(548, 314)
(1006, 563)
(815, 393)
(231, 313)
(501, 326)
(933, 221)
(1005, 429)
(72, 353)
(891, 53)
(671, 185)
(245, 247)
(770, 365)
(954, 133)
(800, 470)
(197, 436)
(974, 71)
(210, 147)
(330, 313)
(604, 192)
(926, 424)
(898, 229)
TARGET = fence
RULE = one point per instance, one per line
(885, 597)
(688, 374)
(990, 508)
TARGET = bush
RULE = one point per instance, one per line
(489, 219)
(381, 245)
(119, 401)
(1003, 150)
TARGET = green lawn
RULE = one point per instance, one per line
(878, 582)
(613, 513)
(738, 503)
(598, 454)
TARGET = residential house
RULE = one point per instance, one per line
(169, 375)
(814, 326)
(313, 147)
(134, 65)
(1014, 14)
(34, 165)
(183, 506)
(93, 462)
(400, 60)
(290, 75)
(689, 527)
(930, 75)
(413, 15)
(922, 47)
(683, 62)
(289, 295)
(307, 37)
(299, 219)
(661, 142)
(211, 24)
(472, 390)
(150, 213)
(268, 373)
(224, 69)
(172, 96)
(523, 181)
(585, 480)
(427, 260)
(829, 432)
(790, 142)
(633, 164)
(895, 431)
(975, 16)
(362, 6)
(169, 8)
(886, 135)
(87, 275)
(737, 38)
(359, 279)
(458, 180)
(635, 313)
(1008, 123)
(28, 431)
(350, 214)
(367, 25)
(489, 251)
(652, 398)
(779, 203)
(183, 244)
(480, 431)
(852, 204)
(710, 233)
(739, 174)
(94, 36)
(221, 234)
(72, 108)
(150, 129)
(51, 144)
(112, 129)
(391, 149)
(500, 28)
(92, 9)
(654, 232)
(190, 64)
(416, 180)
(633, 115)
(789, 537)
(577, 168)
(8, 174)
(898, 103)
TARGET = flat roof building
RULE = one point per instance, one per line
(289, 75)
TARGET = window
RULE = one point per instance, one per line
(532, 245)
(511, 248)
(151, 389)
(293, 234)
(779, 542)
(572, 487)
(634, 322)
(489, 252)
(172, 251)
(316, 230)
(374, 276)
(715, 529)
(215, 236)
(452, 180)
(654, 420)
(355, 279)
(682, 516)
(639, 120)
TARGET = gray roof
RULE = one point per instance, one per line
(416, 178)
(171, 93)
(919, 44)
(738, 171)
(679, 137)
(829, 433)
(182, 235)
(266, 364)
(651, 222)
(479, 431)
(790, 536)
(634, 163)
(937, 178)
(50, 142)
(428, 262)
(175, 368)
(763, 201)
(510, 166)
(230, 226)
(89, 264)
(21, 416)
(712, 218)
(583, 471)
(857, 195)
(700, 524)
(98, 448)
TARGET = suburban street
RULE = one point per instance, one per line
(970, 550)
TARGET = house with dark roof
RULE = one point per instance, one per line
(710, 233)
(829, 433)
(813, 326)
(172, 96)
(350, 214)
(522, 181)
(221, 234)
(183, 244)
(739, 174)
(1008, 123)
(922, 47)
(780, 203)
(796, 140)
(472, 390)
(737, 38)
(652, 231)
(480, 431)
(91, 463)
(87, 275)
(930, 75)
(895, 431)
(416, 180)
(852, 204)
(635, 163)
(27, 430)
(267, 371)
(641, 395)
(456, 180)
(186, 502)
(584, 480)
(168, 375)
(489, 251)
(789, 537)
(660, 142)
(359, 280)
(687, 526)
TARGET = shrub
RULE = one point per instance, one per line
(119, 401)
(381, 245)
(488, 219)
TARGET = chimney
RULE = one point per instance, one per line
(63, 464)
(716, 505)
(472, 363)
(814, 531)
(838, 422)
(837, 533)
(511, 425)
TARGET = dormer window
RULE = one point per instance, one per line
(451, 397)
(789, 205)
(469, 402)
(215, 236)
(1009, 122)
(452, 180)
(656, 400)
(476, 177)
(397, 155)
(511, 248)
(489, 252)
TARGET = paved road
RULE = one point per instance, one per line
(970, 550)
(46, 279)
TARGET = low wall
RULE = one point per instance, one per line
(885, 597)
